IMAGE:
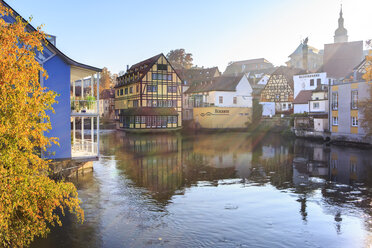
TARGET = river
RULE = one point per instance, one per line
(221, 190)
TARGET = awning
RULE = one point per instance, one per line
(147, 111)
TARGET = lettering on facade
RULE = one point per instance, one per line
(309, 75)
(220, 111)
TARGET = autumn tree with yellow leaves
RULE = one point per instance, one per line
(30, 202)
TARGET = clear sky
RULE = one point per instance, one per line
(114, 33)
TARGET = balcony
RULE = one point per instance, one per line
(88, 106)
(84, 116)
(84, 148)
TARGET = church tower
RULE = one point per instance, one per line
(341, 32)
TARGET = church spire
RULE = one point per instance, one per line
(341, 32)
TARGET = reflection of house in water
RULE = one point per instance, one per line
(233, 150)
(274, 159)
(155, 163)
(310, 160)
(350, 165)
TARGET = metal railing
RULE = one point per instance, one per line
(84, 148)
(84, 106)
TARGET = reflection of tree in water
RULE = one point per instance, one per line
(72, 232)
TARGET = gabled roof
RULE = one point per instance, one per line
(139, 70)
(107, 94)
(340, 58)
(222, 83)
(303, 97)
(52, 47)
(298, 50)
(196, 75)
(251, 61)
(288, 73)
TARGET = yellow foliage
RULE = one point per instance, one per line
(29, 200)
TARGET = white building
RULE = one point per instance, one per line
(308, 82)
(301, 102)
(222, 103)
(223, 91)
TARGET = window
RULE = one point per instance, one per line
(220, 99)
(335, 120)
(159, 76)
(162, 67)
(311, 82)
(315, 105)
(354, 99)
(143, 119)
(152, 88)
(318, 81)
(172, 89)
(334, 100)
(117, 92)
(138, 119)
(131, 90)
(284, 106)
(137, 88)
(135, 103)
(289, 105)
(126, 91)
(235, 100)
(121, 92)
(354, 121)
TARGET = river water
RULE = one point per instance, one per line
(221, 190)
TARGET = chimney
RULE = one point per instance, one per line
(127, 67)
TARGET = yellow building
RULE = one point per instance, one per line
(149, 97)
(223, 103)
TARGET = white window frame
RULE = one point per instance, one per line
(354, 121)
(335, 121)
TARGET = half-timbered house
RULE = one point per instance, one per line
(149, 96)
(278, 91)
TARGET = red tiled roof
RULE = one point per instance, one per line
(303, 97)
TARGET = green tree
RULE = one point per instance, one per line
(180, 59)
(29, 200)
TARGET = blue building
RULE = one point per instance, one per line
(77, 109)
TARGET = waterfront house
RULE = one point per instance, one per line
(319, 108)
(148, 97)
(222, 103)
(70, 109)
(309, 81)
(278, 95)
(190, 77)
(345, 114)
(107, 104)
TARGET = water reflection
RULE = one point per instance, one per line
(159, 185)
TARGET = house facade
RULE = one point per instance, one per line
(309, 81)
(306, 57)
(148, 97)
(62, 73)
(223, 103)
(107, 104)
(345, 114)
(194, 76)
(278, 94)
